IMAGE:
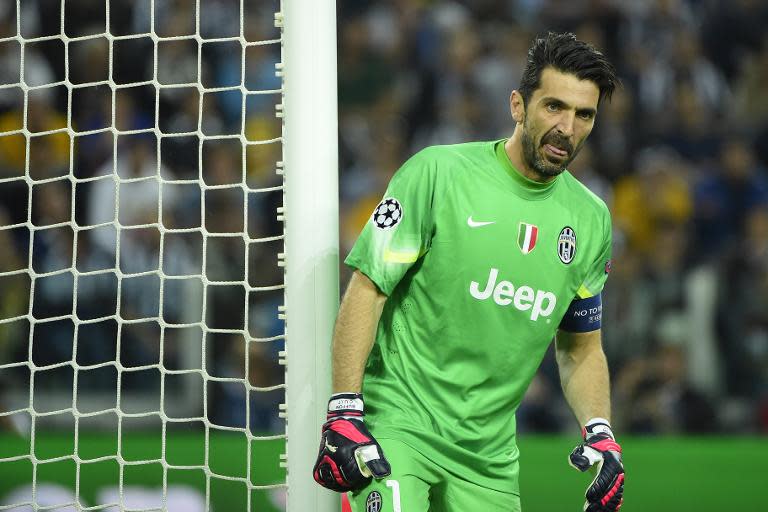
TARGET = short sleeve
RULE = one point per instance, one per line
(400, 228)
(600, 267)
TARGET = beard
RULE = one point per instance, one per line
(536, 161)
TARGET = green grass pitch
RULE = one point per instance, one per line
(703, 474)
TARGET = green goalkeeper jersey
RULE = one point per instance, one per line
(480, 265)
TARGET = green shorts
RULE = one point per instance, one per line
(419, 485)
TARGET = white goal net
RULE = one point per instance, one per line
(141, 317)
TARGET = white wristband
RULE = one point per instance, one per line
(598, 426)
(345, 402)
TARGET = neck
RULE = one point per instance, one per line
(514, 148)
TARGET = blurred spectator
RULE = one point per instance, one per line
(685, 69)
(742, 320)
(751, 96)
(37, 72)
(14, 301)
(614, 138)
(129, 193)
(655, 196)
(693, 132)
(584, 170)
(180, 59)
(652, 396)
(724, 199)
(536, 413)
(733, 29)
(49, 153)
(366, 74)
(263, 374)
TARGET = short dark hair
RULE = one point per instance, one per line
(567, 54)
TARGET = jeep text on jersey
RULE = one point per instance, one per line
(540, 303)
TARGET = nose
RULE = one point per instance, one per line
(565, 124)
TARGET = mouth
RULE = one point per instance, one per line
(555, 152)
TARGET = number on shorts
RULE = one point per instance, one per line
(395, 485)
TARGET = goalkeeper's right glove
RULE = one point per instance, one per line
(606, 492)
(349, 455)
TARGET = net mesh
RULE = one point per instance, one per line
(140, 221)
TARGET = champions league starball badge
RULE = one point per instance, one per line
(373, 502)
(387, 214)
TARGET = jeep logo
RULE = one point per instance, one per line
(524, 298)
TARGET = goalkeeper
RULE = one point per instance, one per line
(477, 257)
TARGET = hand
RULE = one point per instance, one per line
(349, 455)
(606, 492)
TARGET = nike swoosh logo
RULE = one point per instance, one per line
(475, 224)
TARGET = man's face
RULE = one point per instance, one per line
(557, 120)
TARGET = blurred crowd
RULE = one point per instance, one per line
(190, 178)
(679, 155)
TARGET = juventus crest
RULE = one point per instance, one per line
(566, 245)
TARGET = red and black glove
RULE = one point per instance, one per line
(606, 492)
(349, 455)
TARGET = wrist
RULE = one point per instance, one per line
(597, 426)
(346, 405)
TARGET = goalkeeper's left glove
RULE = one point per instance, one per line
(605, 493)
(349, 455)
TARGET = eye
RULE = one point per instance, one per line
(553, 107)
(586, 115)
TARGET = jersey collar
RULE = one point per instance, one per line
(522, 186)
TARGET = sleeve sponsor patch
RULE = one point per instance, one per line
(583, 315)
(388, 213)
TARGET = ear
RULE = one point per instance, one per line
(517, 106)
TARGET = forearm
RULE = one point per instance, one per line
(355, 332)
(584, 375)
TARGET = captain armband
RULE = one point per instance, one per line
(583, 315)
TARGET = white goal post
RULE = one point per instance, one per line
(312, 236)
